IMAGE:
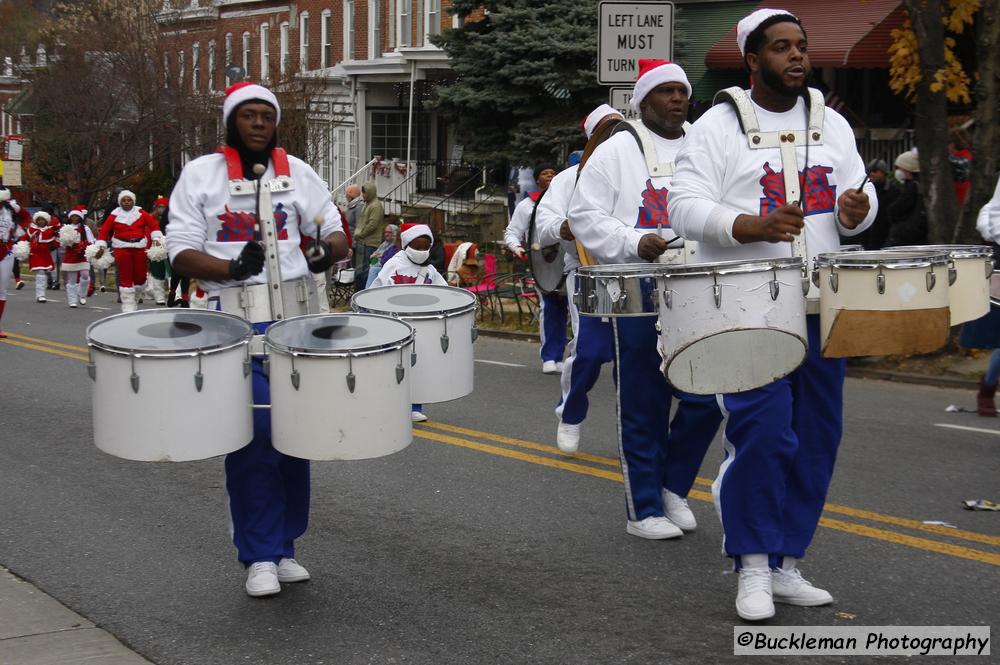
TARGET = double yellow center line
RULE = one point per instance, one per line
(609, 469)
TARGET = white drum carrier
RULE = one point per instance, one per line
(171, 385)
(340, 386)
(731, 326)
(444, 319)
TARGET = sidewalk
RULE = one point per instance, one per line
(36, 629)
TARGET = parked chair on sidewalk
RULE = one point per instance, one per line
(342, 286)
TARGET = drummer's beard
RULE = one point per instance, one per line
(248, 157)
(774, 81)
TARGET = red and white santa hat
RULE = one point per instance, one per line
(657, 72)
(750, 23)
(122, 194)
(41, 214)
(410, 232)
(245, 91)
(595, 117)
(78, 211)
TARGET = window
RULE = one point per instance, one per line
(391, 22)
(180, 69)
(324, 39)
(388, 134)
(433, 17)
(246, 54)
(303, 41)
(348, 29)
(420, 19)
(210, 73)
(283, 48)
(195, 66)
(265, 51)
(405, 28)
(345, 155)
(229, 56)
(374, 30)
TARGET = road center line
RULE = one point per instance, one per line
(497, 362)
(968, 429)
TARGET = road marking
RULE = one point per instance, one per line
(46, 342)
(968, 429)
(37, 347)
(838, 525)
(497, 362)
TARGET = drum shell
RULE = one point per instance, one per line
(906, 318)
(749, 340)
(324, 420)
(969, 293)
(168, 419)
(599, 290)
(442, 374)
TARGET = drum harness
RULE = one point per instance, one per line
(787, 141)
(548, 253)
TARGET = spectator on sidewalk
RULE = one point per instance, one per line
(368, 234)
(354, 205)
(907, 215)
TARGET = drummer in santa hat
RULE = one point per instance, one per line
(131, 230)
(42, 237)
(75, 236)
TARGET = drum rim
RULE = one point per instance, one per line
(433, 314)
(634, 269)
(747, 266)
(954, 251)
(177, 353)
(361, 352)
(867, 259)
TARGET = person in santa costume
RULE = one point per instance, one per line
(213, 237)
(42, 237)
(159, 270)
(13, 219)
(618, 214)
(75, 267)
(130, 230)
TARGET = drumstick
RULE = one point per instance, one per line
(864, 182)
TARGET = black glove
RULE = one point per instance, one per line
(248, 263)
(319, 256)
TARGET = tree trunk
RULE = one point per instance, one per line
(931, 122)
(985, 141)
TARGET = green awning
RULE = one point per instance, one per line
(21, 104)
(697, 28)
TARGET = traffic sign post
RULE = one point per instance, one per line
(628, 31)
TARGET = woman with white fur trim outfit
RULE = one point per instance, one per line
(12, 220)
(130, 229)
(75, 237)
(42, 237)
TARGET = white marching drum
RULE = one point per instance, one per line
(171, 385)
(616, 290)
(731, 326)
(883, 302)
(444, 319)
(968, 278)
(812, 296)
(339, 386)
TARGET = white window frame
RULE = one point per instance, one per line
(374, 30)
(303, 41)
(404, 31)
(265, 51)
(211, 66)
(229, 56)
(345, 154)
(432, 18)
(325, 47)
(180, 70)
(283, 49)
(195, 66)
(350, 16)
(246, 50)
(390, 20)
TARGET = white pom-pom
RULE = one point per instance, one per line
(22, 250)
(102, 263)
(157, 252)
(69, 235)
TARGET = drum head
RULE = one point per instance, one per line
(337, 334)
(413, 300)
(547, 268)
(168, 331)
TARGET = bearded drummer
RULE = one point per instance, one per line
(213, 237)
(619, 215)
(729, 194)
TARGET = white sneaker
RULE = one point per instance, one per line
(559, 367)
(83, 301)
(417, 416)
(792, 589)
(40, 299)
(678, 511)
(753, 600)
(262, 579)
(568, 437)
(290, 570)
(653, 528)
(550, 367)
(73, 305)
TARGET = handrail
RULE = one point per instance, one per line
(343, 185)
(457, 189)
(387, 196)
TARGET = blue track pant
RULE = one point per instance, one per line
(552, 320)
(656, 453)
(593, 344)
(781, 444)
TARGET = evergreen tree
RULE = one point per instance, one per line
(525, 76)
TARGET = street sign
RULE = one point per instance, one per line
(628, 31)
(12, 174)
(619, 101)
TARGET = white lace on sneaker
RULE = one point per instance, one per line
(791, 588)
(678, 511)
(262, 579)
(753, 600)
(290, 570)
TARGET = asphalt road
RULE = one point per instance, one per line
(479, 543)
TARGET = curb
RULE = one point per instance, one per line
(852, 371)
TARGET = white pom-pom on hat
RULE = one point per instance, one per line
(595, 117)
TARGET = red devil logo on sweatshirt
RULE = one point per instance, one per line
(820, 196)
(653, 212)
(239, 226)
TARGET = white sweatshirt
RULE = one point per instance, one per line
(516, 234)
(399, 269)
(553, 211)
(988, 221)
(616, 202)
(205, 217)
(719, 177)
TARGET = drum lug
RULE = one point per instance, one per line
(667, 296)
(952, 272)
(199, 381)
(658, 327)
(989, 269)
(92, 370)
(880, 282)
(134, 379)
(834, 282)
(444, 343)
(265, 365)
(475, 333)
(932, 279)
(246, 367)
(400, 373)
(351, 382)
(296, 377)
(413, 358)
(717, 292)
(775, 288)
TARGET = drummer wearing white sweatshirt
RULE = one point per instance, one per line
(619, 214)
(729, 194)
